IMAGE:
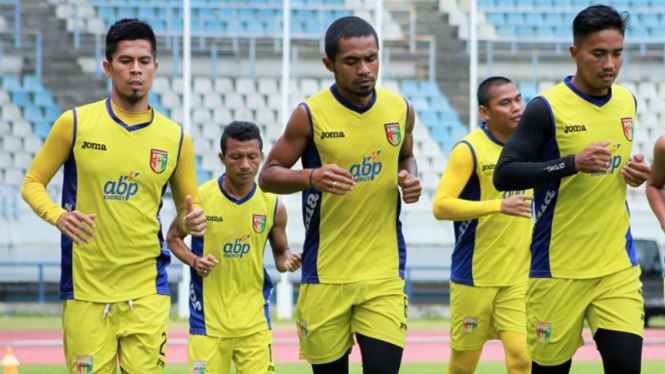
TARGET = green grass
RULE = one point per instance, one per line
(580, 367)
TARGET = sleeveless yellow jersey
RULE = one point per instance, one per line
(233, 300)
(492, 250)
(582, 227)
(358, 236)
(120, 173)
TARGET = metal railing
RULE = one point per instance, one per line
(15, 13)
(41, 297)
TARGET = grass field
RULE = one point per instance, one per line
(582, 367)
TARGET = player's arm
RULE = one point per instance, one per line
(175, 238)
(448, 205)
(408, 168)
(55, 152)
(186, 192)
(284, 259)
(656, 181)
(515, 169)
(276, 175)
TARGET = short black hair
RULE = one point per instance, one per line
(598, 18)
(485, 89)
(347, 28)
(129, 29)
(241, 131)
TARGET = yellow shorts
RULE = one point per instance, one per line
(327, 316)
(478, 314)
(136, 331)
(251, 354)
(556, 309)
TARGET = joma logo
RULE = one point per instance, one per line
(95, 146)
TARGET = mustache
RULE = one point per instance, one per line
(364, 79)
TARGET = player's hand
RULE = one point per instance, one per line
(194, 220)
(594, 159)
(517, 205)
(411, 188)
(636, 171)
(294, 262)
(331, 178)
(77, 226)
(204, 265)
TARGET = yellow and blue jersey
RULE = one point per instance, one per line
(357, 236)
(233, 300)
(582, 223)
(120, 173)
(492, 250)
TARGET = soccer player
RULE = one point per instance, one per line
(355, 142)
(573, 146)
(229, 290)
(656, 184)
(119, 155)
(490, 262)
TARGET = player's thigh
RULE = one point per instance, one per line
(144, 332)
(471, 321)
(618, 304)
(463, 362)
(207, 354)
(323, 319)
(555, 311)
(89, 337)
(510, 309)
(253, 354)
(382, 310)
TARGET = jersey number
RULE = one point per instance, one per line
(161, 347)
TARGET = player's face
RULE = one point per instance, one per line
(356, 65)
(505, 108)
(242, 160)
(599, 58)
(132, 70)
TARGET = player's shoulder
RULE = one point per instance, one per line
(96, 105)
(269, 196)
(166, 121)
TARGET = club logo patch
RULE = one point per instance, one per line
(302, 328)
(470, 324)
(628, 128)
(393, 133)
(199, 367)
(83, 364)
(259, 223)
(158, 160)
(543, 331)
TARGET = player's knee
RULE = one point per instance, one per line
(461, 367)
(518, 364)
(622, 365)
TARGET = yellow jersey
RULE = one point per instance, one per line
(358, 236)
(233, 300)
(582, 223)
(491, 250)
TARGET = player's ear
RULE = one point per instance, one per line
(221, 158)
(573, 52)
(328, 64)
(107, 68)
(484, 112)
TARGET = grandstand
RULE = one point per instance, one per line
(50, 60)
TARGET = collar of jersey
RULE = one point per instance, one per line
(109, 108)
(350, 106)
(231, 198)
(489, 134)
(588, 98)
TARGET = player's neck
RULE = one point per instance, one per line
(141, 106)
(588, 89)
(237, 191)
(497, 133)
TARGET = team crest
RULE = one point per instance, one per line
(158, 160)
(470, 324)
(393, 133)
(302, 328)
(543, 331)
(199, 367)
(259, 223)
(83, 364)
(628, 128)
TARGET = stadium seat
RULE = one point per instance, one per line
(222, 116)
(11, 144)
(21, 99)
(42, 129)
(267, 86)
(11, 83)
(255, 101)
(233, 101)
(21, 128)
(44, 99)
(245, 86)
(223, 85)
(10, 112)
(212, 100)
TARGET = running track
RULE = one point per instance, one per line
(45, 347)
